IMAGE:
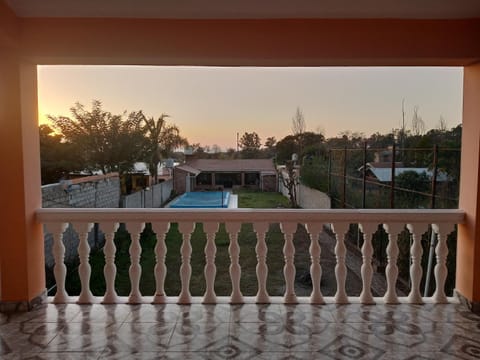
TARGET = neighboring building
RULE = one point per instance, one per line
(382, 171)
(139, 178)
(210, 174)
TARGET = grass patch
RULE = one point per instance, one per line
(261, 200)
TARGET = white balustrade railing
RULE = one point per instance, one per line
(338, 221)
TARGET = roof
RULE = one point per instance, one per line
(188, 169)
(384, 174)
(236, 165)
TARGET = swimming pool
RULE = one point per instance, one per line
(202, 199)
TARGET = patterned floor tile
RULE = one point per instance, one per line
(45, 313)
(205, 313)
(345, 347)
(27, 337)
(169, 331)
(279, 336)
(86, 336)
(258, 313)
(54, 356)
(103, 314)
(140, 337)
(165, 313)
(129, 356)
(199, 336)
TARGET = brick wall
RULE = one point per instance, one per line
(179, 180)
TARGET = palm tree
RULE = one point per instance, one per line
(162, 139)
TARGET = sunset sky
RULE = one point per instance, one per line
(211, 104)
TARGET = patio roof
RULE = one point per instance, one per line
(235, 165)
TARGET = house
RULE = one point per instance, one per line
(267, 33)
(382, 171)
(208, 174)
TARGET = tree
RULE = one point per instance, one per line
(270, 146)
(442, 124)
(161, 139)
(418, 125)
(298, 122)
(102, 140)
(57, 158)
(250, 145)
(298, 128)
(411, 180)
(290, 182)
(313, 145)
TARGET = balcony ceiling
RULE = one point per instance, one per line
(249, 9)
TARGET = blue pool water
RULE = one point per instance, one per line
(203, 199)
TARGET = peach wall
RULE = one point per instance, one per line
(252, 42)
(9, 27)
(21, 243)
(468, 248)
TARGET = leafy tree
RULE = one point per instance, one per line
(101, 139)
(412, 180)
(270, 145)
(285, 148)
(57, 158)
(312, 145)
(250, 145)
(160, 139)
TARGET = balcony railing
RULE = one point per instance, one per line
(394, 222)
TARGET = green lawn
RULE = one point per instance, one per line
(248, 260)
(261, 200)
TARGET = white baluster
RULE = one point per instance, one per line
(391, 272)
(210, 270)
(315, 269)
(416, 271)
(160, 270)
(233, 228)
(289, 230)
(261, 229)
(441, 251)
(84, 269)
(109, 270)
(135, 271)
(186, 229)
(58, 251)
(367, 270)
(340, 230)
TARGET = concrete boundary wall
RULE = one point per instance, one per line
(308, 198)
(154, 197)
(99, 191)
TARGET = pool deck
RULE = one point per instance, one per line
(233, 202)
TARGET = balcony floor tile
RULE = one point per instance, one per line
(274, 331)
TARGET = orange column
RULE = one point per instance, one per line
(22, 268)
(468, 248)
